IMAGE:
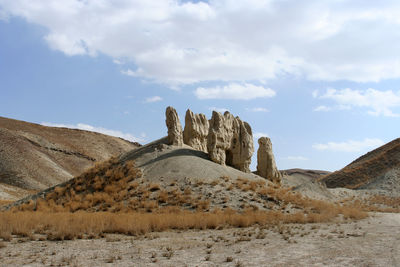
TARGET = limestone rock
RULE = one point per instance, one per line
(219, 137)
(266, 166)
(242, 146)
(196, 131)
(175, 136)
(230, 141)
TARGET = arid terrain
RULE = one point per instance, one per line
(170, 205)
(34, 157)
(374, 241)
(377, 170)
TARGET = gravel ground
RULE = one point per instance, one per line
(374, 241)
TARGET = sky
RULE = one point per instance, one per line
(320, 78)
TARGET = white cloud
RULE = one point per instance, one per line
(257, 109)
(234, 91)
(3, 15)
(128, 72)
(87, 127)
(222, 110)
(350, 145)
(153, 99)
(296, 158)
(377, 102)
(179, 42)
(257, 135)
(322, 108)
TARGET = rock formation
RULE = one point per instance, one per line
(226, 139)
(266, 166)
(230, 141)
(242, 146)
(196, 131)
(219, 137)
(175, 136)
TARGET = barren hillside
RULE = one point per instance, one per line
(170, 179)
(378, 169)
(34, 157)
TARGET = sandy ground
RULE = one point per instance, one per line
(371, 242)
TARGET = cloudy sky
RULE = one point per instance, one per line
(320, 78)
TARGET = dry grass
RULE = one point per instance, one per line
(312, 210)
(5, 202)
(113, 198)
(66, 225)
(376, 203)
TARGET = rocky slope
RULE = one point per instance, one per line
(34, 157)
(378, 170)
(158, 175)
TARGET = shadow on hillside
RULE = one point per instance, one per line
(165, 153)
(177, 153)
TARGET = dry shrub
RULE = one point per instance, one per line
(225, 178)
(109, 199)
(376, 203)
(214, 183)
(66, 225)
(187, 191)
(5, 202)
(162, 196)
(153, 187)
(111, 189)
(202, 205)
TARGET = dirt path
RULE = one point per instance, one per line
(371, 242)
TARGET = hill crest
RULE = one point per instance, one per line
(34, 157)
(376, 169)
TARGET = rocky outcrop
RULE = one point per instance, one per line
(219, 137)
(230, 141)
(226, 139)
(175, 135)
(266, 166)
(242, 146)
(196, 131)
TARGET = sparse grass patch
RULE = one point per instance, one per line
(67, 225)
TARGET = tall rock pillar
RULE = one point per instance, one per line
(266, 166)
(175, 135)
(196, 131)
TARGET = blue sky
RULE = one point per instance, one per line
(321, 79)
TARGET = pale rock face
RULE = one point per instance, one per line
(175, 136)
(219, 136)
(242, 146)
(266, 166)
(196, 131)
(230, 141)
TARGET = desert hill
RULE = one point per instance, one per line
(165, 179)
(295, 177)
(378, 169)
(157, 175)
(34, 157)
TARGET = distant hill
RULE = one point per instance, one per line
(34, 157)
(308, 173)
(378, 169)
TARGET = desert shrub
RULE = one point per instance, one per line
(153, 187)
(162, 196)
(67, 225)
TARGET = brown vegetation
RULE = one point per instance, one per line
(376, 203)
(112, 197)
(67, 225)
(36, 157)
(366, 168)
